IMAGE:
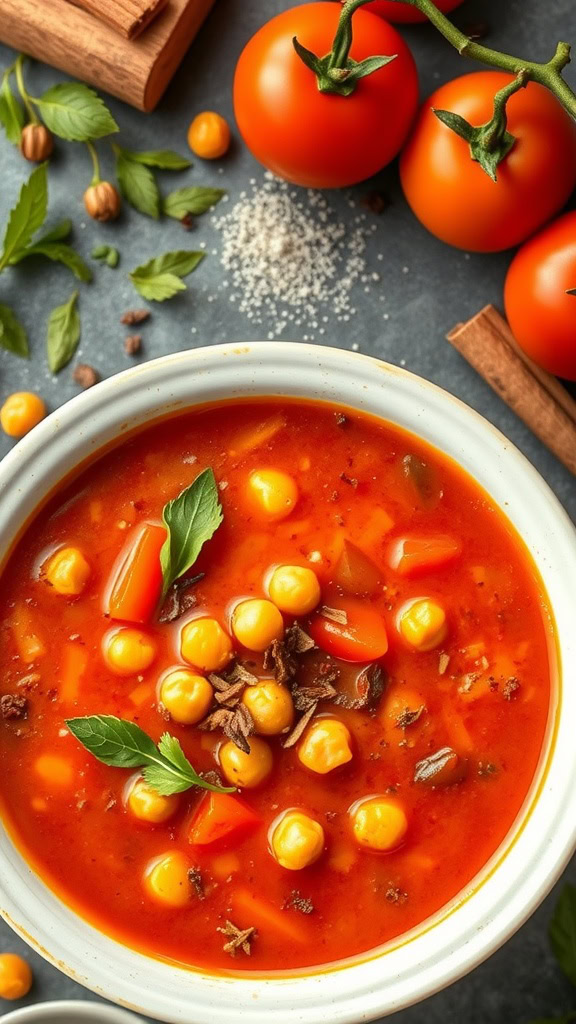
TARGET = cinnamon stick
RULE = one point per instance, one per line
(128, 17)
(538, 398)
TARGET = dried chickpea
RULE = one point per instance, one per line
(246, 770)
(379, 824)
(36, 143)
(294, 589)
(271, 707)
(127, 651)
(148, 805)
(102, 201)
(256, 623)
(326, 745)
(67, 571)
(273, 493)
(186, 696)
(423, 624)
(209, 135)
(15, 976)
(167, 881)
(205, 644)
(297, 840)
(20, 412)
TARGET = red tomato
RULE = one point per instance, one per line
(405, 13)
(451, 194)
(362, 637)
(317, 139)
(540, 313)
(412, 556)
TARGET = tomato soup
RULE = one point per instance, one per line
(275, 681)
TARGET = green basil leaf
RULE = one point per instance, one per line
(160, 278)
(76, 113)
(562, 931)
(165, 159)
(59, 233)
(13, 337)
(194, 200)
(190, 519)
(60, 253)
(178, 774)
(63, 334)
(11, 111)
(137, 185)
(27, 216)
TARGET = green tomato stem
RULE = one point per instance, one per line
(548, 74)
(96, 178)
(18, 69)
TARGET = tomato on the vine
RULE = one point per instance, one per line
(456, 199)
(401, 13)
(540, 310)
(317, 138)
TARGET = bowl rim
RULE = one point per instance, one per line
(514, 883)
(71, 1009)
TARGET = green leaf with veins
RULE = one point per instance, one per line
(27, 216)
(123, 744)
(194, 200)
(161, 278)
(63, 334)
(13, 337)
(75, 113)
(164, 159)
(59, 252)
(137, 184)
(59, 233)
(12, 115)
(191, 519)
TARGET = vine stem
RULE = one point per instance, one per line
(548, 74)
(96, 177)
(18, 66)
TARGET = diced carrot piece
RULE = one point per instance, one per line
(141, 693)
(137, 577)
(411, 556)
(255, 437)
(225, 865)
(458, 734)
(377, 524)
(353, 631)
(72, 668)
(259, 913)
(221, 817)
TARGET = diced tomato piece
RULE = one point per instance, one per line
(411, 556)
(356, 573)
(221, 817)
(359, 636)
(137, 580)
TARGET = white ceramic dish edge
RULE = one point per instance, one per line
(72, 1011)
(497, 904)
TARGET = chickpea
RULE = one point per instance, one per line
(297, 840)
(36, 143)
(128, 651)
(209, 135)
(256, 623)
(15, 976)
(326, 745)
(246, 770)
(102, 201)
(379, 824)
(423, 624)
(273, 493)
(148, 805)
(67, 571)
(56, 771)
(186, 695)
(294, 589)
(205, 644)
(271, 707)
(20, 412)
(167, 881)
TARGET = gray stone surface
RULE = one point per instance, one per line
(427, 288)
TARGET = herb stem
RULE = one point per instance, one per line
(18, 68)
(96, 178)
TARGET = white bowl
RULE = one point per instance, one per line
(539, 845)
(72, 1011)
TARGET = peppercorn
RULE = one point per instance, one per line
(102, 201)
(86, 376)
(36, 143)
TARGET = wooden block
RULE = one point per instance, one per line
(128, 17)
(136, 71)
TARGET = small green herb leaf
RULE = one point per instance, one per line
(165, 159)
(193, 200)
(137, 184)
(63, 334)
(59, 252)
(76, 113)
(13, 337)
(11, 111)
(161, 278)
(59, 233)
(562, 931)
(191, 519)
(122, 744)
(27, 215)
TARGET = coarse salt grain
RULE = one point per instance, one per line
(289, 259)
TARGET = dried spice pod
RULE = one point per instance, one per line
(102, 201)
(442, 768)
(36, 143)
